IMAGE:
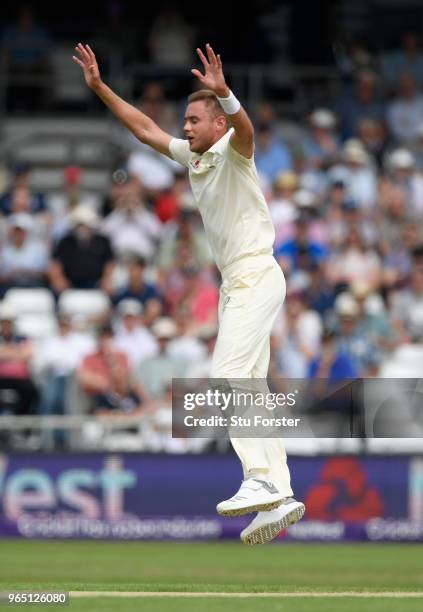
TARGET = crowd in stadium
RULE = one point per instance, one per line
(345, 192)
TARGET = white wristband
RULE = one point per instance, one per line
(230, 105)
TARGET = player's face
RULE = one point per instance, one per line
(201, 127)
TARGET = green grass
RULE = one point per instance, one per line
(221, 567)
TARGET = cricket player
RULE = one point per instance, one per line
(224, 181)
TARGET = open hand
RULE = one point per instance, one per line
(213, 78)
(89, 65)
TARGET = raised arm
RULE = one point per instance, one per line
(242, 140)
(137, 122)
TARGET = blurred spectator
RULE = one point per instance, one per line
(355, 261)
(137, 288)
(186, 346)
(105, 377)
(373, 136)
(130, 226)
(168, 204)
(363, 103)
(23, 259)
(321, 147)
(25, 46)
(171, 39)
(352, 340)
(332, 363)
(185, 233)
(20, 198)
(61, 203)
(15, 357)
(57, 359)
(83, 259)
(301, 332)
(408, 59)
(303, 250)
(282, 208)
(196, 297)
(271, 155)
(320, 293)
(203, 368)
(406, 302)
(357, 174)
(405, 112)
(155, 373)
(131, 337)
(403, 176)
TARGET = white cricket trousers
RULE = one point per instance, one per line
(252, 292)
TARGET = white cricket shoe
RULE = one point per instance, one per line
(254, 495)
(267, 525)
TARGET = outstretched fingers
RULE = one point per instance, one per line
(78, 61)
(211, 55)
(202, 58)
(83, 53)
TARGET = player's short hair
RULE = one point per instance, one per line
(210, 100)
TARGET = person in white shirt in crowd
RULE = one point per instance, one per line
(405, 112)
(186, 346)
(131, 337)
(56, 360)
(24, 259)
(402, 174)
(130, 226)
(203, 368)
(156, 372)
(358, 173)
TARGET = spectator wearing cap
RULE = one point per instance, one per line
(303, 250)
(403, 176)
(130, 226)
(282, 209)
(363, 102)
(321, 148)
(332, 362)
(272, 156)
(155, 373)
(354, 261)
(131, 337)
(405, 112)
(105, 377)
(351, 339)
(137, 288)
(83, 259)
(16, 353)
(358, 174)
(24, 259)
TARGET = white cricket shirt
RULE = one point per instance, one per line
(228, 195)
